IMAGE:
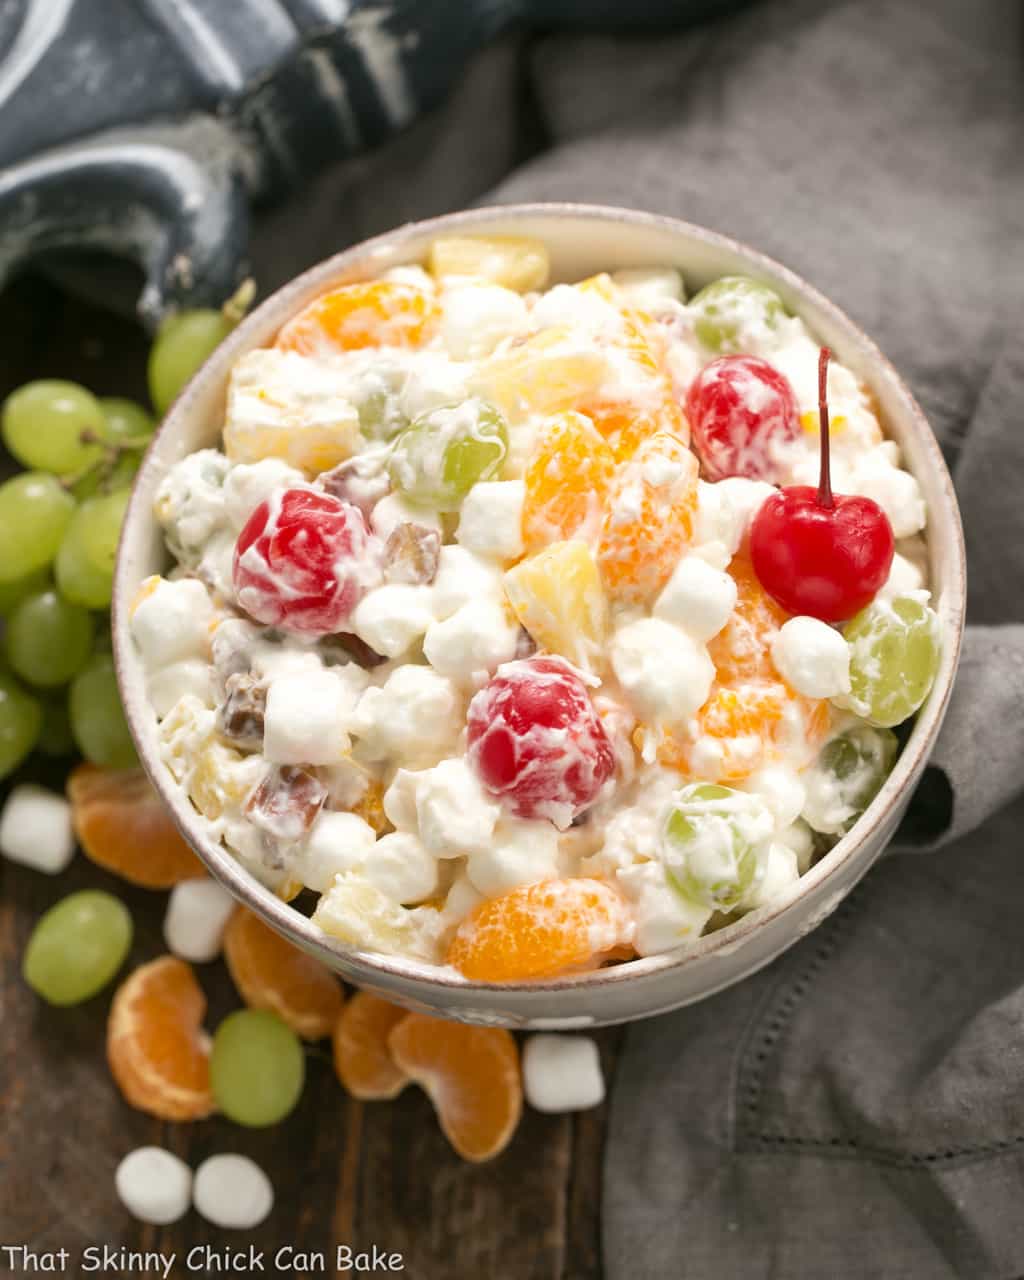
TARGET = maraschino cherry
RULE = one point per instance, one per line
(816, 552)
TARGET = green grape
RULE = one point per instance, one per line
(257, 1068)
(99, 524)
(376, 398)
(43, 424)
(104, 478)
(731, 311)
(55, 737)
(438, 459)
(714, 844)
(77, 577)
(77, 947)
(48, 639)
(34, 513)
(185, 341)
(97, 718)
(21, 718)
(125, 420)
(12, 593)
(894, 655)
(846, 777)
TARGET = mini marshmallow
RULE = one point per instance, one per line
(432, 383)
(519, 852)
(189, 676)
(562, 1073)
(233, 1192)
(812, 657)
(567, 306)
(463, 577)
(454, 813)
(663, 918)
(154, 1185)
(725, 509)
(391, 618)
(490, 522)
(35, 829)
(904, 578)
(476, 317)
(173, 621)
(393, 510)
(877, 475)
(781, 869)
(665, 675)
(197, 915)
(469, 646)
(782, 791)
(646, 287)
(305, 719)
(415, 716)
(462, 897)
(248, 484)
(697, 598)
(336, 842)
(800, 838)
(401, 867)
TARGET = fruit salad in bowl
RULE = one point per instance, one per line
(534, 619)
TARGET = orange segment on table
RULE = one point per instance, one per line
(382, 313)
(362, 1058)
(471, 1075)
(124, 827)
(157, 1050)
(539, 930)
(272, 973)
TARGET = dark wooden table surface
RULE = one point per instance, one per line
(344, 1171)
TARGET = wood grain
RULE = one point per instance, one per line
(344, 1172)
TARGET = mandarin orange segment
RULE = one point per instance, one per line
(538, 930)
(362, 1059)
(381, 313)
(649, 518)
(124, 827)
(370, 807)
(271, 973)
(742, 649)
(471, 1075)
(567, 480)
(156, 1048)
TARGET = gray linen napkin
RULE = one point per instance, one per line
(856, 1110)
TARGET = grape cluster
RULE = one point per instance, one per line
(60, 520)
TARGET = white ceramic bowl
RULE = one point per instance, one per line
(582, 239)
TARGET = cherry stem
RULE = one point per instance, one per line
(825, 498)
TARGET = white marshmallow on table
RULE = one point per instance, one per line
(812, 657)
(154, 1185)
(463, 577)
(173, 622)
(453, 812)
(697, 598)
(665, 675)
(472, 643)
(781, 869)
(402, 868)
(336, 842)
(305, 717)
(35, 829)
(725, 509)
(391, 618)
(197, 914)
(562, 1073)
(189, 676)
(415, 716)
(490, 520)
(233, 1192)
(393, 510)
(476, 317)
(518, 852)
(249, 483)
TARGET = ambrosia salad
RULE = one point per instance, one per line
(523, 625)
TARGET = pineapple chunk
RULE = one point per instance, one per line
(558, 597)
(356, 912)
(289, 406)
(516, 262)
(547, 373)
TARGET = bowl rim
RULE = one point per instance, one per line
(856, 844)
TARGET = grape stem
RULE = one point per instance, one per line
(104, 466)
(238, 304)
(825, 498)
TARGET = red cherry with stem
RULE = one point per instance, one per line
(816, 552)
